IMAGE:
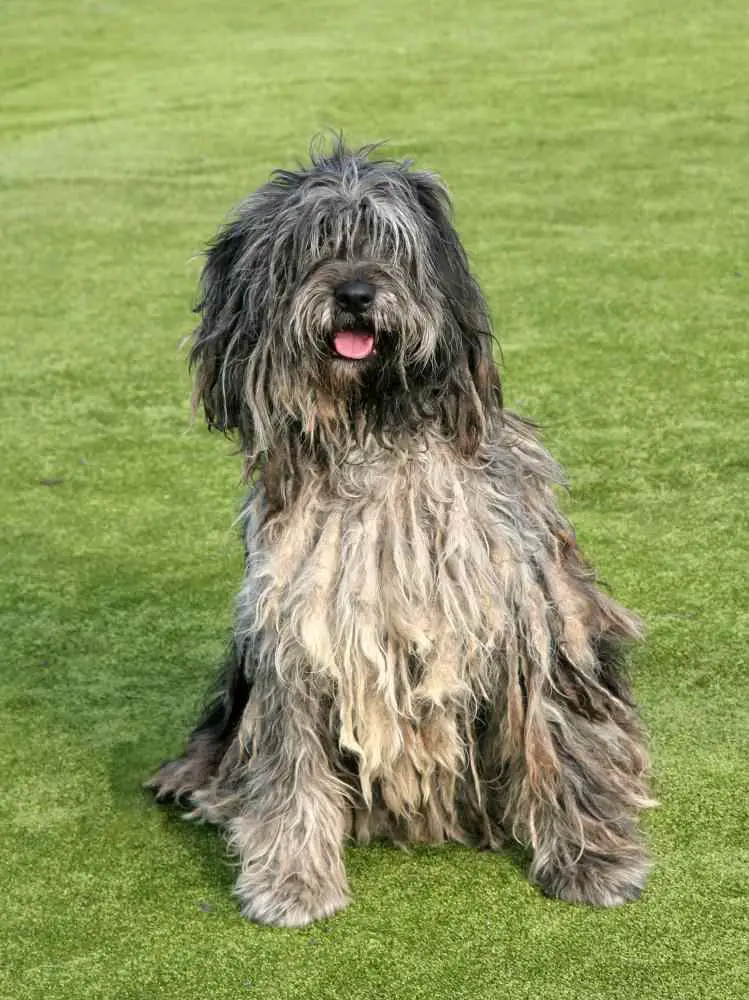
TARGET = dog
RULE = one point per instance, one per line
(421, 652)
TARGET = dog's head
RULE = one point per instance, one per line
(339, 302)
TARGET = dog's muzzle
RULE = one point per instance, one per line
(354, 342)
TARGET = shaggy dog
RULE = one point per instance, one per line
(421, 652)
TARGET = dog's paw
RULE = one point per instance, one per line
(176, 780)
(596, 880)
(292, 903)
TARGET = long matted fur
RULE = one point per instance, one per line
(420, 650)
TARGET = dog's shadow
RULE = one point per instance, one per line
(132, 763)
(129, 766)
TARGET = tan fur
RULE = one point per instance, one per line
(395, 596)
(421, 635)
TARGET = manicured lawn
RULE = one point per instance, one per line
(598, 155)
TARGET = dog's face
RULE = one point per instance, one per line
(339, 301)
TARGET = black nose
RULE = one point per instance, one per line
(355, 296)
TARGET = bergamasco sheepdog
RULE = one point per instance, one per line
(421, 652)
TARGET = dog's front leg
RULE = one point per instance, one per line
(573, 781)
(576, 783)
(587, 848)
(290, 829)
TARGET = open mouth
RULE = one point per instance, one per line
(354, 345)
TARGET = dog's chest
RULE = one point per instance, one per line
(388, 591)
(395, 562)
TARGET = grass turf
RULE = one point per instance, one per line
(597, 154)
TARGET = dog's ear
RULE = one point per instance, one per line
(469, 314)
(226, 332)
(475, 392)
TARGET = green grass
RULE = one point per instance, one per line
(597, 152)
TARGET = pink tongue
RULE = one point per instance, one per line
(354, 344)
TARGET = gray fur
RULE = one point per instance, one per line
(420, 651)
